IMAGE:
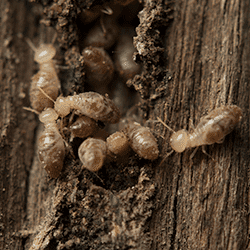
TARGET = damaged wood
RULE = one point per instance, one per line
(195, 57)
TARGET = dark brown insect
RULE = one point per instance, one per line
(51, 148)
(83, 127)
(98, 66)
(211, 129)
(92, 153)
(46, 78)
(90, 104)
(125, 49)
(142, 140)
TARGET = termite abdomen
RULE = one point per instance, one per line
(99, 67)
(92, 153)
(142, 141)
(50, 84)
(223, 120)
(51, 153)
(51, 149)
(118, 144)
(83, 127)
(125, 49)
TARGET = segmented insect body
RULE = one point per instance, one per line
(51, 149)
(211, 129)
(83, 127)
(90, 104)
(118, 144)
(125, 49)
(46, 78)
(92, 153)
(142, 141)
(98, 65)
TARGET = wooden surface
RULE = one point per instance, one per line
(196, 57)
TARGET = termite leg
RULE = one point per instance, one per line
(193, 154)
(32, 110)
(204, 151)
(31, 44)
(164, 124)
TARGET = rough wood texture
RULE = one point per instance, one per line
(196, 57)
(205, 205)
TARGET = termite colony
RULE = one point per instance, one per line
(107, 49)
(81, 114)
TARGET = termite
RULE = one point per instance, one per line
(92, 153)
(51, 148)
(125, 49)
(83, 127)
(142, 140)
(118, 144)
(46, 78)
(211, 129)
(99, 67)
(90, 104)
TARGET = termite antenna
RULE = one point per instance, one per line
(164, 124)
(166, 157)
(76, 175)
(31, 44)
(96, 176)
(45, 94)
(31, 110)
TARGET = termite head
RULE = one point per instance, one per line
(48, 115)
(178, 140)
(44, 53)
(63, 105)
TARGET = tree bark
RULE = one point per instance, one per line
(195, 58)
